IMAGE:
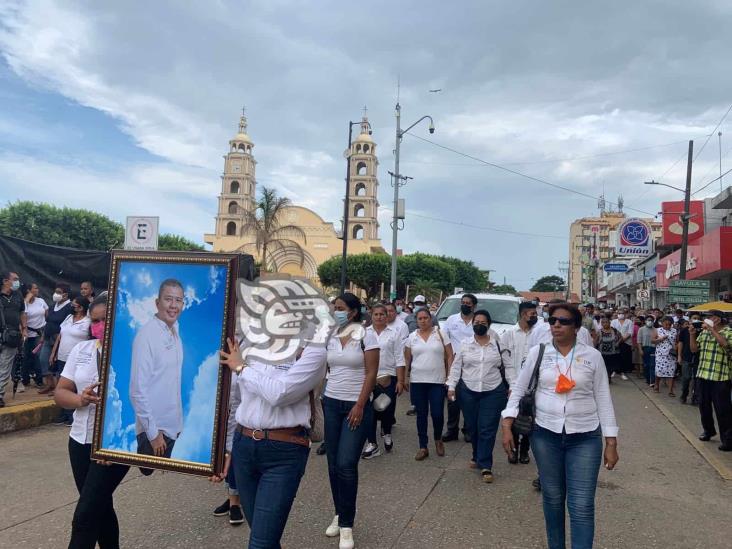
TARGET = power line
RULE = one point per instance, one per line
(514, 172)
(712, 181)
(713, 131)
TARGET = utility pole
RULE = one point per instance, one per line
(687, 198)
(344, 257)
(720, 161)
(395, 221)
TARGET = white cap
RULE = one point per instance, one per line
(420, 298)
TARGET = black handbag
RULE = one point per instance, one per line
(524, 422)
(9, 337)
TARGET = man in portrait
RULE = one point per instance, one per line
(155, 380)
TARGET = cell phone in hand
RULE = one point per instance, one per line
(709, 322)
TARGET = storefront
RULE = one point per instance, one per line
(708, 258)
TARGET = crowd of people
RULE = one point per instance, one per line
(542, 388)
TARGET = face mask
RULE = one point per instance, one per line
(533, 320)
(341, 317)
(466, 309)
(597, 317)
(363, 310)
(97, 330)
(15, 286)
(649, 323)
(57, 298)
(621, 316)
(480, 329)
(399, 309)
(545, 314)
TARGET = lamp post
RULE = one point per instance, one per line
(397, 182)
(346, 202)
(685, 216)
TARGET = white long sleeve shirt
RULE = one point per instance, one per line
(391, 350)
(276, 397)
(477, 365)
(516, 342)
(155, 380)
(81, 368)
(580, 410)
(542, 333)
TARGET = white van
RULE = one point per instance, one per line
(503, 309)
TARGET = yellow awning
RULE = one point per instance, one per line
(712, 305)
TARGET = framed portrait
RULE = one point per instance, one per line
(163, 394)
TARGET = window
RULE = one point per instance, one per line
(234, 187)
(242, 148)
(230, 228)
(233, 207)
(365, 148)
(359, 210)
(358, 232)
(361, 168)
(360, 189)
(358, 148)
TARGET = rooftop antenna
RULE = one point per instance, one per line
(620, 203)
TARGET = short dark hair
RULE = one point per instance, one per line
(64, 287)
(471, 297)
(99, 301)
(5, 275)
(353, 303)
(170, 283)
(425, 311)
(378, 306)
(571, 309)
(525, 305)
(483, 312)
(82, 302)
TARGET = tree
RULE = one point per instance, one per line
(505, 289)
(271, 237)
(549, 283)
(467, 275)
(367, 271)
(418, 266)
(428, 288)
(173, 242)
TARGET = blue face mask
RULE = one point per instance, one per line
(545, 314)
(341, 317)
(399, 309)
(16, 285)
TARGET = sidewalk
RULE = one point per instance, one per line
(25, 410)
(685, 418)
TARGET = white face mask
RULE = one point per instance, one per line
(57, 298)
(621, 316)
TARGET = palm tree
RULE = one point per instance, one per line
(426, 287)
(270, 235)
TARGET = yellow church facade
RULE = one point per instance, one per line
(322, 241)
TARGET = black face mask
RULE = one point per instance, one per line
(532, 320)
(480, 329)
(466, 309)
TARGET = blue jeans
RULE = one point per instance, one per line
(268, 474)
(649, 364)
(482, 413)
(343, 449)
(429, 398)
(568, 468)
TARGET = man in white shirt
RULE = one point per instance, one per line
(411, 320)
(458, 327)
(155, 380)
(399, 306)
(395, 322)
(624, 326)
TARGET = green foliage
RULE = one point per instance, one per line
(467, 275)
(506, 289)
(428, 288)
(172, 242)
(549, 283)
(367, 271)
(413, 267)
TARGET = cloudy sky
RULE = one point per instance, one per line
(126, 108)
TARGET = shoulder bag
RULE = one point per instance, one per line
(524, 422)
(9, 337)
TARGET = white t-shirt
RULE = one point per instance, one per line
(72, 332)
(347, 366)
(81, 368)
(428, 357)
(36, 314)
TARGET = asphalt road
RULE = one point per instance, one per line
(663, 494)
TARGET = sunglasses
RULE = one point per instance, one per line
(563, 321)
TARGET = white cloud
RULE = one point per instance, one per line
(144, 277)
(140, 310)
(124, 437)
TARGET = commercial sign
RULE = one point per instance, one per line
(615, 267)
(634, 238)
(673, 224)
(708, 257)
(673, 269)
(142, 233)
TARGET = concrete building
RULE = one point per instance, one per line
(322, 240)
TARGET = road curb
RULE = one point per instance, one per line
(25, 416)
(702, 448)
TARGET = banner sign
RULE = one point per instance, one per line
(634, 238)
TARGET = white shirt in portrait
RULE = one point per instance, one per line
(155, 380)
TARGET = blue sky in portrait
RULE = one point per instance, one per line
(200, 326)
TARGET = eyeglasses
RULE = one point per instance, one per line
(563, 321)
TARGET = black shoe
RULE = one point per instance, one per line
(223, 509)
(449, 437)
(236, 516)
(536, 483)
(388, 443)
(706, 437)
(725, 447)
(412, 411)
(321, 449)
(513, 458)
(524, 458)
(59, 421)
(467, 437)
(69, 422)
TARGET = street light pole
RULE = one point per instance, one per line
(720, 161)
(687, 198)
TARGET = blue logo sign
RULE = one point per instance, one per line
(634, 238)
(615, 268)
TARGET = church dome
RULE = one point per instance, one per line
(242, 136)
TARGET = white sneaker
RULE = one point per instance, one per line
(346, 541)
(21, 387)
(612, 375)
(333, 530)
(623, 377)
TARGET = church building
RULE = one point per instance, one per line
(238, 195)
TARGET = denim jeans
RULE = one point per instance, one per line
(94, 518)
(31, 363)
(387, 416)
(568, 469)
(268, 474)
(482, 413)
(429, 398)
(344, 448)
(649, 364)
(230, 481)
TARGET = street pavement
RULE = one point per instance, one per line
(663, 494)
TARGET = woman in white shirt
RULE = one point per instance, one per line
(574, 412)
(35, 311)
(483, 390)
(353, 362)
(428, 356)
(95, 520)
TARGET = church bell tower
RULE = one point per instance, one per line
(364, 187)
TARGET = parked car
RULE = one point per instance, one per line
(503, 309)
